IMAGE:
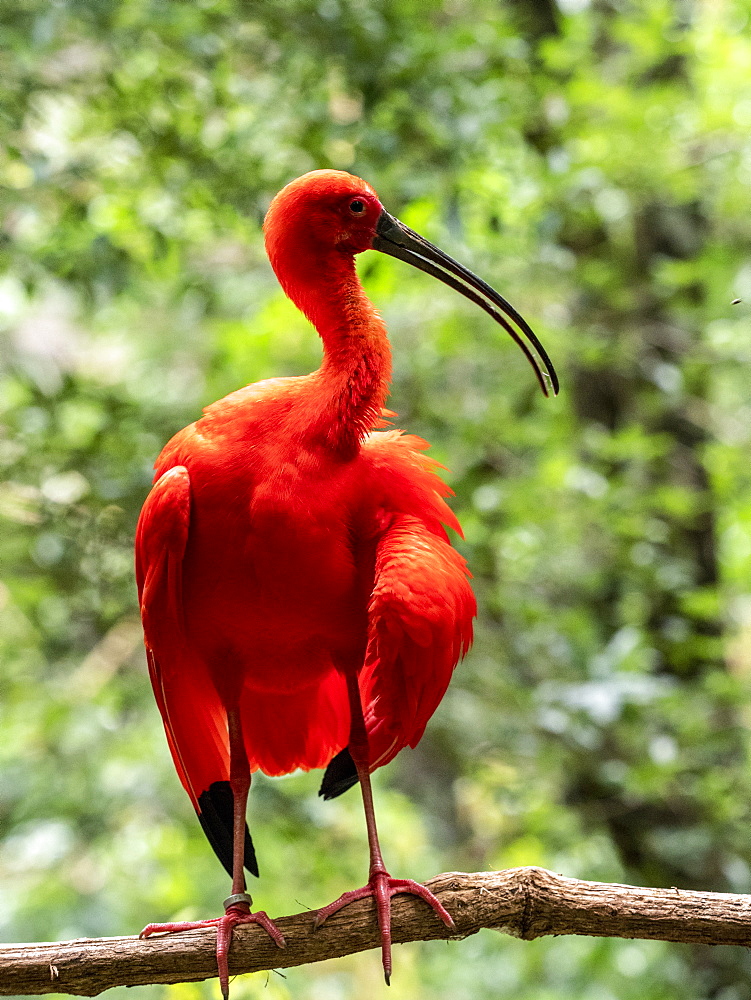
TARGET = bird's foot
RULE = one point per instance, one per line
(382, 887)
(237, 911)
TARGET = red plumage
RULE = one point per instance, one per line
(298, 590)
(265, 573)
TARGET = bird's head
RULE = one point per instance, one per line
(322, 219)
(324, 210)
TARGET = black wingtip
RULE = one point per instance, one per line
(215, 809)
(340, 775)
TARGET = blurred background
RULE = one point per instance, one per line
(591, 158)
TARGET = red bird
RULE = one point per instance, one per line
(301, 604)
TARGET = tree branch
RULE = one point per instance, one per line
(524, 902)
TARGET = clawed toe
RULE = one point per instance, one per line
(382, 887)
(225, 925)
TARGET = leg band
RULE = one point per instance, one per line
(239, 897)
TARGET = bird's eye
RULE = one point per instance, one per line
(357, 207)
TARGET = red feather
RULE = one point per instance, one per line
(378, 521)
(194, 718)
(298, 590)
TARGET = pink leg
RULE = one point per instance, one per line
(381, 886)
(237, 906)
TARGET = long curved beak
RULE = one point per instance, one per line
(398, 240)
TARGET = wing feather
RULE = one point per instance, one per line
(194, 718)
(420, 625)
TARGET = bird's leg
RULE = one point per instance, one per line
(237, 905)
(381, 886)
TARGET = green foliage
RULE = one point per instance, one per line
(592, 160)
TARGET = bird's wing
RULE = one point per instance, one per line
(194, 719)
(420, 625)
(421, 606)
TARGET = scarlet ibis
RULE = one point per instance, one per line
(302, 606)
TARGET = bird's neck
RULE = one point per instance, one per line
(351, 386)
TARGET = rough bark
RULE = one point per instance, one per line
(524, 902)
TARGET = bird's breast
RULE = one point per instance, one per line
(271, 571)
